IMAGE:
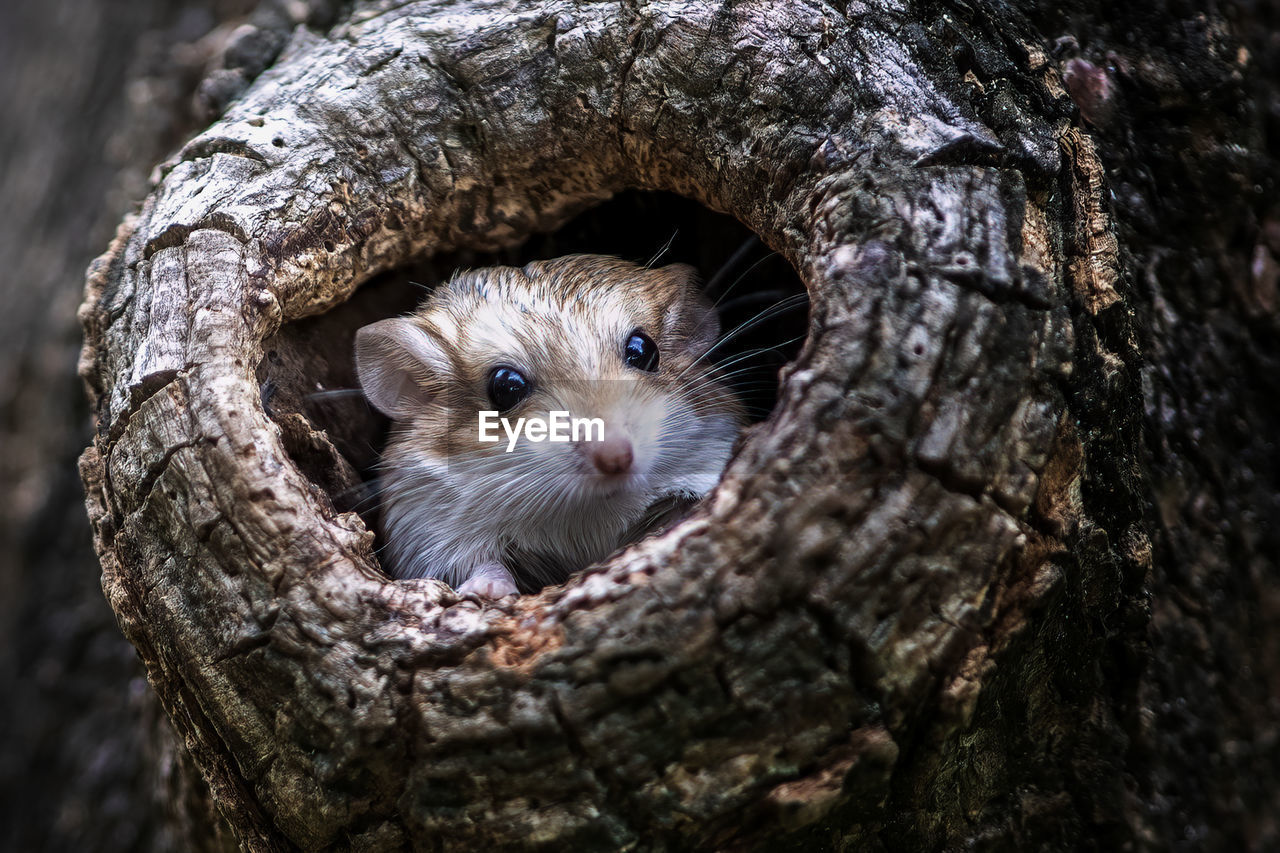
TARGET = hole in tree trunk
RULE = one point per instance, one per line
(308, 377)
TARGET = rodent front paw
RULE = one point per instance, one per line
(489, 581)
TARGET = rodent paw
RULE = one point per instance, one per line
(489, 581)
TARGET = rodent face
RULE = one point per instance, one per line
(564, 326)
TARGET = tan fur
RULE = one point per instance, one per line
(563, 324)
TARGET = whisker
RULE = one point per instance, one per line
(666, 247)
(728, 266)
(748, 298)
(780, 308)
(336, 393)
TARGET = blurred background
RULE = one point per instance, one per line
(96, 92)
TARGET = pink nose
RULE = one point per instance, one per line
(611, 455)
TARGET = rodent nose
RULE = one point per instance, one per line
(611, 455)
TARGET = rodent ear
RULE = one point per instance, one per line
(691, 318)
(396, 361)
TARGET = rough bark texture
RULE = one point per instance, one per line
(1186, 110)
(926, 481)
(962, 587)
(94, 94)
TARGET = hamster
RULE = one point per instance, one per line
(588, 341)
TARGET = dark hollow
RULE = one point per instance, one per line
(307, 374)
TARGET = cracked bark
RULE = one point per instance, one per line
(907, 618)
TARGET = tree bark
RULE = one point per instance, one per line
(96, 94)
(83, 749)
(950, 593)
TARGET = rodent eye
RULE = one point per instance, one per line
(507, 387)
(641, 352)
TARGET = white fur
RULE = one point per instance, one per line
(445, 519)
(543, 506)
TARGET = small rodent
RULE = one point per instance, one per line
(591, 336)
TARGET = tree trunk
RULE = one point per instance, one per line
(996, 571)
(83, 751)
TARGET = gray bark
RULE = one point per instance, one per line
(83, 750)
(848, 587)
(914, 615)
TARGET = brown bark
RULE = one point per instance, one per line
(846, 591)
(1188, 129)
(982, 578)
(81, 752)
(95, 95)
